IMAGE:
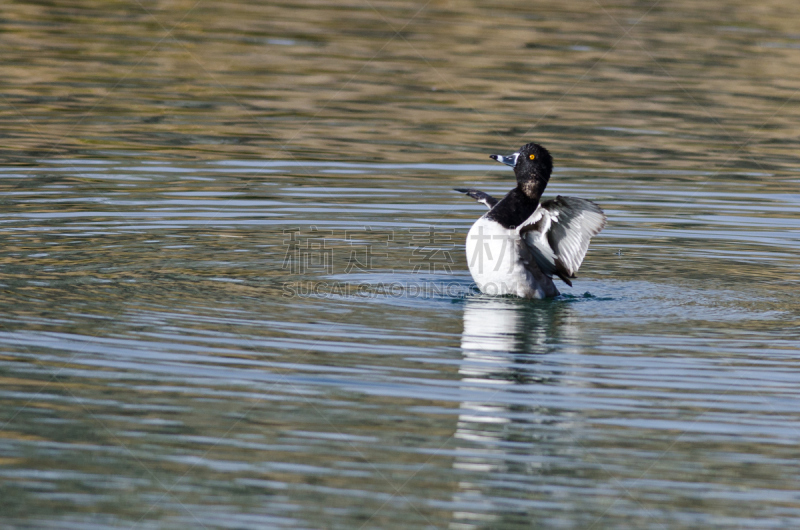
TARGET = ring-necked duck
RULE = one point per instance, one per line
(519, 244)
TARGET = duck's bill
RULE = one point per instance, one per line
(510, 160)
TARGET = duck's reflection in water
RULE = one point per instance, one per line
(506, 431)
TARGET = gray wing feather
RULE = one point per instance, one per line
(559, 234)
(479, 196)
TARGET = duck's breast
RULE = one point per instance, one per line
(495, 261)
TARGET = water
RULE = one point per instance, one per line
(234, 287)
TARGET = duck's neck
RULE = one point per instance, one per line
(514, 209)
(532, 189)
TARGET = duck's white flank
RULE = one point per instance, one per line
(501, 262)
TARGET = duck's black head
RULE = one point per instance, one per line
(532, 165)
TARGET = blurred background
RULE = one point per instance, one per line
(169, 360)
(634, 83)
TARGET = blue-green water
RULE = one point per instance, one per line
(234, 293)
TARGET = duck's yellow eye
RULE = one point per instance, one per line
(532, 157)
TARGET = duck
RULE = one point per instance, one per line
(520, 244)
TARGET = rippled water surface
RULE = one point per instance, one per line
(234, 292)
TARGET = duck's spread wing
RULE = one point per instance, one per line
(558, 234)
(479, 196)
